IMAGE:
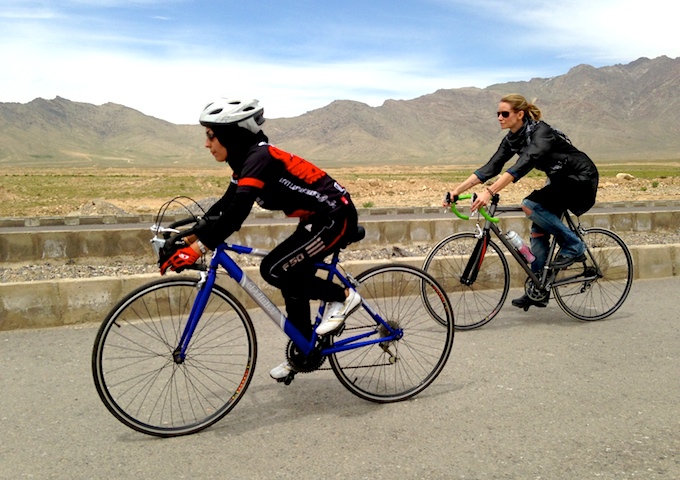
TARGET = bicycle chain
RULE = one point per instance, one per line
(293, 355)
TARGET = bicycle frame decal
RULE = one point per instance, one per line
(263, 301)
(222, 259)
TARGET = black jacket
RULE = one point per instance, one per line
(540, 146)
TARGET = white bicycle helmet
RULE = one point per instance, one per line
(248, 114)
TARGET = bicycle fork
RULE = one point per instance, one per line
(204, 287)
(475, 262)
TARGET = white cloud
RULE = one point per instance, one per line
(178, 88)
(609, 30)
(169, 77)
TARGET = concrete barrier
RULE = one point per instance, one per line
(65, 245)
(75, 301)
(68, 302)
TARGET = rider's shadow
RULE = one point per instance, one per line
(552, 315)
(312, 397)
(268, 404)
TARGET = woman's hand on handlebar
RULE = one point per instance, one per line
(480, 207)
(180, 259)
(480, 200)
(449, 199)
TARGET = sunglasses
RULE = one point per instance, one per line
(503, 114)
(210, 135)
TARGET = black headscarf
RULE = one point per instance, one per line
(238, 141)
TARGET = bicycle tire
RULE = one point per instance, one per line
(133, 367)
(598, 299)
(399, 369)
(477, 304)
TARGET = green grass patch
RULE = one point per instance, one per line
(57, 194)
(649, 172)
(41, 191)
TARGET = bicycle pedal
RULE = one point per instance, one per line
(288, 379)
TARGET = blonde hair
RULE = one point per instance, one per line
(519, 103)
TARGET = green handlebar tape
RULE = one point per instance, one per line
(482, 210)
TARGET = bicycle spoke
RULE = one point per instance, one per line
(598, 298)
(396, 369)
(473, 305)
(134, 367)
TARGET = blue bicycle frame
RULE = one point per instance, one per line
(222, 259)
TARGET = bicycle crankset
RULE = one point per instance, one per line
(306, 363)
(534, 293)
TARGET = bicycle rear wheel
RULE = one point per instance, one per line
(601, 296)
(476, 304)
(134, 368)
(398, 369)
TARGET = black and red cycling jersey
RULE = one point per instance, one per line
(276, 180)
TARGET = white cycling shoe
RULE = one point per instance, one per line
(337, 312)
(282, 371)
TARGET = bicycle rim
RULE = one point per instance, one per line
(133, 367)
(599, 298)
(477, 304)
(398, 369)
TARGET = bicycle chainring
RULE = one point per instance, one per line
(533, 292)
(305, 363)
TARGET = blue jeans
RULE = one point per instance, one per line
(546, 223)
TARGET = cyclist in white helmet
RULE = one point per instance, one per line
(276, 180)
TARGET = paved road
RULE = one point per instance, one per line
(530, 396)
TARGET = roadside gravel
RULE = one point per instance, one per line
(116, 267)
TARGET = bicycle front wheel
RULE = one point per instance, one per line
(477, 303)
(607, 278)
(137, 376)
(395, 370)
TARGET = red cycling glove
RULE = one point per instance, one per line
(181, 259)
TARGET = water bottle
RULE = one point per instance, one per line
(521, 247)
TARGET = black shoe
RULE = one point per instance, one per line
(562, 261)
(525, 302)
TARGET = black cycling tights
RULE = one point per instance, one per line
(290, 267)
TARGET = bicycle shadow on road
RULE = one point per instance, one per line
(315, 397)
(511, 317)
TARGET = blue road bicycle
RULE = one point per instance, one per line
(177, 354)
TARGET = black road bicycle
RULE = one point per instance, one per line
(474, 271)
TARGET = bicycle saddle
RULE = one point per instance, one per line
(358, 235)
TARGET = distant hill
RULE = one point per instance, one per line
(620, 112)
(60, 132)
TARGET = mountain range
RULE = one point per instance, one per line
(616, 113)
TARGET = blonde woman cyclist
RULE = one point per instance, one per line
(571, 184)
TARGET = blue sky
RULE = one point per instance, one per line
(168, 58)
